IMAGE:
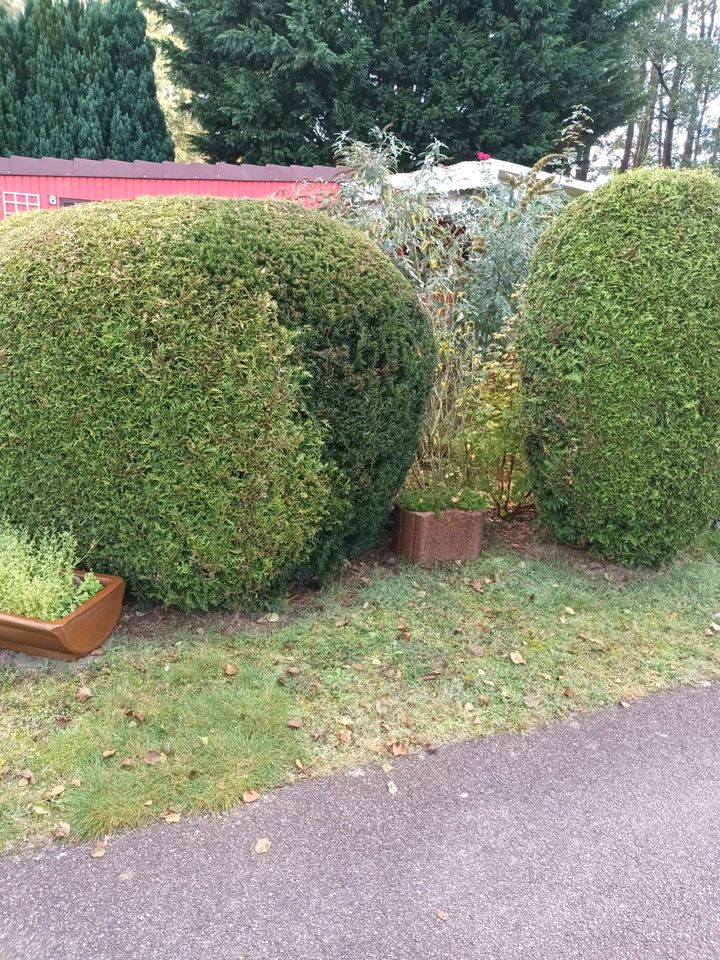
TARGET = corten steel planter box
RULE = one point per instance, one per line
(427, 538)
(76, 635)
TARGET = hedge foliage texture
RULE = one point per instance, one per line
(620, 351)
(210, 394)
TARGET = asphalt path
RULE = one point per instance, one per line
(595, 838)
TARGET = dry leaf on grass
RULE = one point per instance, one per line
(125, 763)
(108, 753)
(517, 657)
(268, 618)
(230, 670)
(27, 778)
(170, 816)
(61, 830)
(532, 700)
(295, 723)
(83, 694)
(53, 792)
(250, 796)
(152, 757)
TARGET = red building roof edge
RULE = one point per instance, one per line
(147, 170)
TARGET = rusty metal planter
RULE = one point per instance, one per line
(427, 538)
(76, 635)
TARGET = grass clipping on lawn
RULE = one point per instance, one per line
(159, 729)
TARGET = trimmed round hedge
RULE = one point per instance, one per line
(211, 394)
(619, 345)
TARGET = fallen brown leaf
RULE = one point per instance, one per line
(109, 753)
(517, 657)
(152, 757)
(442, 915)
(477, 651)
(250, 796)
(83, 694)
(230, 670)
(569, 692)
(125, 763)
(99, 850)
(27, 778)
(53, 792)
(170, 816)
(294, 723)
(61, 830)
(263, 845)
(398, 749)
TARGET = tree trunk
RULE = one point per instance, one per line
(674, 94)
(627, 152)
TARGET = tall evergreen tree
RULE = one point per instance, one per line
(276, 80)
(9, 45)
(78, 81)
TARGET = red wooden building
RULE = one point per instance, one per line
(32, 184)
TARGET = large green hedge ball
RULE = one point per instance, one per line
(211, 394)
(619, 345)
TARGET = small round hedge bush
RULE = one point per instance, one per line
(619, 345)
(210, 394)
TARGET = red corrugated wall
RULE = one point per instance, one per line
(52, 190)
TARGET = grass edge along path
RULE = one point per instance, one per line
(158, 729)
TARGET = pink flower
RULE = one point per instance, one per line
(482, 156)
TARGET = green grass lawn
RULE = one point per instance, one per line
(378, 666)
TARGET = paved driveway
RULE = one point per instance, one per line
(597, 839)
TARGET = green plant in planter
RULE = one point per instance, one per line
(437, 499)
(37, 575)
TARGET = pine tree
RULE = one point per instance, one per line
(277, 80)
(51, 70)
(119, 88)
(8, 84)
(77, 79)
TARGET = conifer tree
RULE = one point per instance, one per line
(76, 79)
(277, 80)
(8, 84)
